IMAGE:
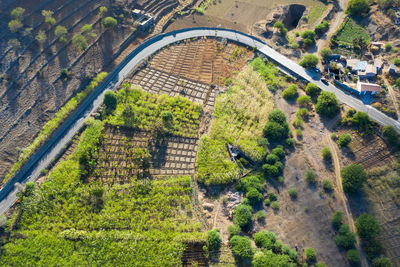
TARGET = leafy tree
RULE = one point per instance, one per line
(102, 10)
(128, 115)
(282, 29)
(233, 230)
(213, 240)
(167, 118)
(86, 28)
(327, 185)
(322, 27)
(310, 255)
(278, 151)
(327, 104)
(373, 248)
(367, 226)
(290, 92)
(241, 247)
(390, 135)
(382, 262)
(304, 101)
(312, 89)
(325, 53)
(109, 22)
(337, 219)
(311, 176)
(14, 25)
(276, 128)
(309, 61)
(357, 7)
(48, 15)
(326, 154)
(271, 159)
(353, 177)
(80, 41)
(362, 121)
(248, 183)
(344, 140)
(309, 37)
(14, 43)
(271, 170)
(277, 115)
(396, 61)
(18, 13)
(41, 37)
(260, 215)
(265, 239)
(110, 101)
(253, 196)
(61, 33)
(353, 257)
(243, 215)
(346, 239)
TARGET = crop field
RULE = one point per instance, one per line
(350, 31)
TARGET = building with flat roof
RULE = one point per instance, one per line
(368, 87)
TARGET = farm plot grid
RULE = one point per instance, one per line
(170, 156)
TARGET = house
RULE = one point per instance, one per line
(361, 66)
(364, 88)
(369, 72)
(352, 63)
(378, 44)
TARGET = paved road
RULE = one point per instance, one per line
(54, 146)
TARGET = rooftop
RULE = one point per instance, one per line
(368, 87)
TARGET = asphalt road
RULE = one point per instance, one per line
(56, 143)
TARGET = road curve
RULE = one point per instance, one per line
(56, 143)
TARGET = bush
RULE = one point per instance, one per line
(243, 215)
(302, 112)
(279, 152)
(109, 22)
(327, 104)
(304, 101)
(337, 219)
(249, 182)
(290, 93)
(80, 41)
(322, 27)
(310, 254)
(272, 196)
(353, 178)
(396, 61)
(325, 53)
(265, 239)
(241, 246)
(311, 176)
(275, 205)
(270, 170)
(382, 262)
(276, 131)
(14, 25)
(41, 37)
(344, 140)
(102, 10)
(309, 37)
(327, 185)
(213, 240)
(353, 257)
(253, 196)
(290, 142)
(292, 193)
(309, 61)
(373, 248)
(233, 230)
(326, 154)
(367, 226)
(357, 7)
(271, 159)
(282, 29)
(346, 239)
(260, 215)
(61, 32)
(388, 47)
(362, 121)
(110, 101)
(390, 135)
(312, 89)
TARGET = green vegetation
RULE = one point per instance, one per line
(322, 27)
(312, 89)
(270, 73)
(309, 61)
(290, 93)
(391, 136)
(327, 104)
(311, 176)
(353, 257)
(276, 128)
(327, 185)
(213, 240)
(180, 115)
(48, 17)
(326, 154)
(53, 124)
(80, 42)
(109, 22)
(337, 219)
(350, 31)
(382, 262)
(304, 101)
(239, 116)
(396, 61)
(357, 7)
(344, 140)
(102, 11)
(243, 215)
(310, 255)
(41, 37)
(353, 178)
(15, 25)
(292, 193)
(308, 38)
(18, 13)
(233, 230)
(241, 247)
(61, 33)
(282, 29)
(346, 239)
(367, 226)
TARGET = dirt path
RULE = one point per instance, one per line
(341, 194)
(392, 94)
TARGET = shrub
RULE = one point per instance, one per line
(167, 118)
(325, 53)
(304, 101)
(18, 13)
(282, 29)
(278, 151)
(260, 215)
(128, 115)
(292, 193)
(309, 38)
(346, 239)
(344, 140)
(271, 159)
(110, 101)
(326, 154)
(264, 239)
(390, 135)
(396, 61)
(312, 89)
(272, 196)
(353, 177)
(243, 215)
(109, 22)
(80, 41)
(322, 27)
(267, 202)
(297, 123)
(275, 205)
(290, 92)
(241, 246)
(353, 257)
(310, 254)
(61, 32)
(41, 37)
(327, 104)
(86, 28)
(362, 121)
(276, 131)
(14, 25)
(233, 230)
(311, 176)
(382, 262)
(248, 183)
(253, 196)
(309, 61)
(290, 142)
(388, 47)
(337, 219)
(327, 185)
(302, 112)
(373, 248)
(367, 226)
(270, 170)
(357, 7)
(102, 10)
(213, 240)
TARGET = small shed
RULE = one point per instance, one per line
(368, 87)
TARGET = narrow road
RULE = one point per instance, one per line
(54, 145)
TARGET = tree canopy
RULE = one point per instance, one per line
(367, 226)
(327, 104)
(353, 177)
(357, 7)
(309, 61)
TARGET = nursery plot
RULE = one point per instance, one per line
(205, 60)
(172, 155)
(159, 82)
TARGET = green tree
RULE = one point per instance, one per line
(344, 140)
(311, 176)
(48, 15)
(110, 101)
(233, 230)
(322, 27)
(337, 219)
(168, 119)
(353, 257)
(304, 101)
(390, 135)
(128, 115)
(109, 22)
(357, 7)
(265, 239)
(353, 178)
(382, 262)
(362, 121)
(80, 41)
(310, 255)
(309, 61)
(308, 37)
(367, 226)
(241, 247)
(327, 104)
(346, 239)
(312, 89)
(292, 193)
(290, 92)
(18, 13)
(102, 10)
(61, 33)
(276, 131)
(326, 154)
(15, 25)
(243, 215)
(325, 53)
(41, 37)
(253, 196)
(213, 240)
(86, 28)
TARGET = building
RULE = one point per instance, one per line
(352, 63)
(142, 19)
(370, 88)
(361, 66)
(369, 72)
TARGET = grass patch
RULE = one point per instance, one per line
(53, 124)
(239, 117)
(71, 221)
(316, 12)
(349, 31)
